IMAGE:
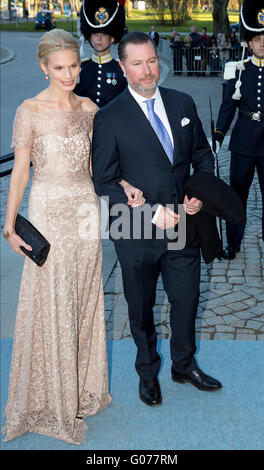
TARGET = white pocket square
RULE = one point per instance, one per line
(185, 121)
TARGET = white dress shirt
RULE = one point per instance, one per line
(161, 112)
(158, 108)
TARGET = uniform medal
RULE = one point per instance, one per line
(111, 78)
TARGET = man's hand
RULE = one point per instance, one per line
(192, 206)
(167, 218)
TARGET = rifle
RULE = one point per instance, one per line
(217, 166)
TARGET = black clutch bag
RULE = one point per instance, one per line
(30, 235)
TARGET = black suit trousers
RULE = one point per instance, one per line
(180, 271)
(242, 170)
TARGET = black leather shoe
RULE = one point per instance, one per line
(149, 392)
(230, 253)
(198, 379)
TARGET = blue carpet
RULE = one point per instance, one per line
(231, 418)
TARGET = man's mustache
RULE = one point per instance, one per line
(148, 77)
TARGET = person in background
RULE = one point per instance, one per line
(154, 35)
(214, 62)
(188, 54)
(244, 92)
(224, 45)
(196, 52)
(177, 46)
(205, 43)
(101, 78)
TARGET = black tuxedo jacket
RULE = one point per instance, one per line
(125, 146)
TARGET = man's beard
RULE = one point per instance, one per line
(141, 89)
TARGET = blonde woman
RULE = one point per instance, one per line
(59, 364)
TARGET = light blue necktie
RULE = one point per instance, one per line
(160, 129)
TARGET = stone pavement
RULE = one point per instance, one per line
(232, 293)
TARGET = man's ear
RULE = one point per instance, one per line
(122, 67)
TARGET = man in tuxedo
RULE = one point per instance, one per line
(149, 137)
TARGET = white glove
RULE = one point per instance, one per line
(217, 146)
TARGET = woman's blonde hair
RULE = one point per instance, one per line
(56, 40)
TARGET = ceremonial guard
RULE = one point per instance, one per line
(245, 91)
(101, 77)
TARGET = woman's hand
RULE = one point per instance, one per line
(15, 242)
(134, 195)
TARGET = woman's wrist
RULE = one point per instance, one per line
(8, 232)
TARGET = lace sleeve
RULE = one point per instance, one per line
(91, 120)
(22, 128)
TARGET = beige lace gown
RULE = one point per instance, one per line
(59, 362)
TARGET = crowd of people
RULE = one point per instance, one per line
(202, 51)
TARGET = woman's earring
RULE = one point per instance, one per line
(46, 76)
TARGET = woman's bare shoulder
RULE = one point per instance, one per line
(88, 105)
(32, 104)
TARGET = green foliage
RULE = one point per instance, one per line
(140, 20)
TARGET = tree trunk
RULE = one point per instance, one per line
(9, 9)
(128, 7)
(220, 17)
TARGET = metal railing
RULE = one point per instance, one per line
(5, 159)
(202, 61)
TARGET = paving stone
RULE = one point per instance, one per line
(219, 279)
(226, 299)
(206, 314)
(222, 310)
(223, 336)
(257, 309)
(256, 325)
(224, 329)
(246, 336)
(250, 302)
(205, 286)
(260, 337)
(222, 288)
(247, 331)
(234, 272)
(107, 315)
(215, 320)
(206, 335)
(233, 321)
(120, 308)
(238, 306)
(244, 315)
(217, 272)
(236, 280)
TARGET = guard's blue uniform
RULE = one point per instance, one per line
(101, 79)
(247, 138)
